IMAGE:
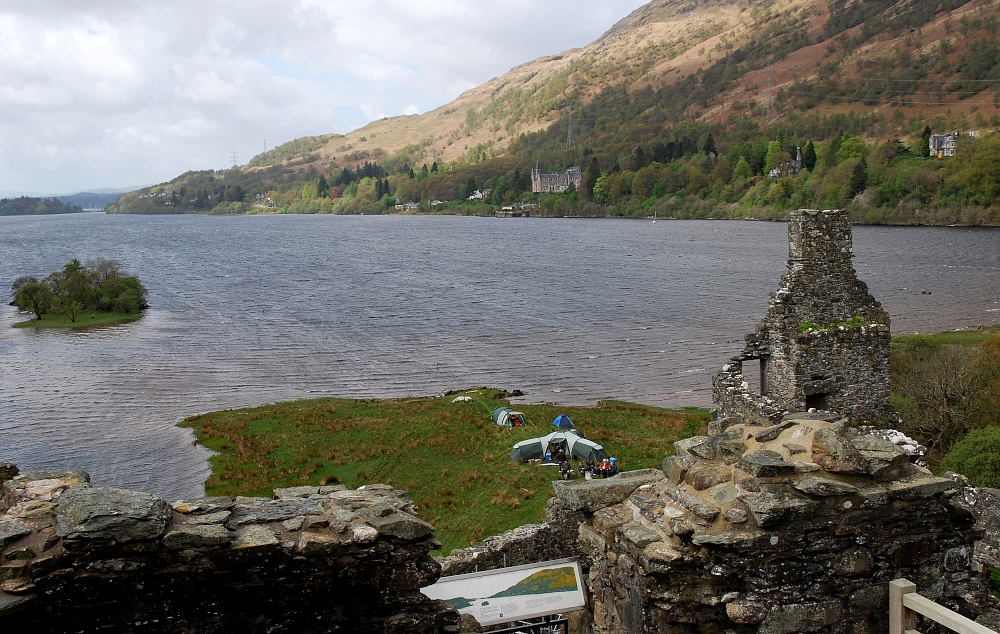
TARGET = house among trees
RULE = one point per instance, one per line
(790, 168)
(942, 145)
(555, 183)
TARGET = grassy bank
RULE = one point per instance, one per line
(83, 320)
(449, 456)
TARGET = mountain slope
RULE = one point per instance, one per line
(673, 71)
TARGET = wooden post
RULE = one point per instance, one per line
(901, 619)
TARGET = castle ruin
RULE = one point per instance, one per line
(824, 342)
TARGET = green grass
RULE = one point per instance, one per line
(83, 320)
(951, 337)
(450, 457)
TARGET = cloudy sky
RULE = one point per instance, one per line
(123, 93)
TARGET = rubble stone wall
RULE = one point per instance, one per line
(314, 559)
(824, 341)
(797, 527)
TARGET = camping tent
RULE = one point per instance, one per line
(507, 417)
(577, 447)
(562, 421)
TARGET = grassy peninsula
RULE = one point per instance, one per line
(449, 455)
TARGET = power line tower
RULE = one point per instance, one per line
(569, 132)
(235, 159)
(767, 98)
(265, 145)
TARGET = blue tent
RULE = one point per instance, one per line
(562, 421)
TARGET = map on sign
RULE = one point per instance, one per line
(514, 594)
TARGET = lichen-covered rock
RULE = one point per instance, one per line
(388, 520)
(746, 612)
(108, 513)
(11, 530)
(835, 453)
(591, 495)
(259, 511)
(186, 536)
(824, 487)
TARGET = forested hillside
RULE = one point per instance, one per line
(27, 206)
(683, 109)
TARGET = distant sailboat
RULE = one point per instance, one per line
(654, 216)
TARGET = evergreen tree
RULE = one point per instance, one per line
(830, 160)
(926, 136)
(590, 179)
(709, 147)
(322, 188)
(859, 177)
(639, 160)
(809, 156)
(434, 167)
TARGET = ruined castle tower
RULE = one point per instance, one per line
(824, 342)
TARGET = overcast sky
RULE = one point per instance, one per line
(123, 93)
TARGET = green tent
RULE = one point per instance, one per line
(508, 417)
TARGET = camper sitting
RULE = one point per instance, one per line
(565, 470)
(604, 470)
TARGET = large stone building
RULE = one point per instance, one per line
(824, 342)
(555, 183)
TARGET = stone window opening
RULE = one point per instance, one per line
(754, 375)
(817, 401)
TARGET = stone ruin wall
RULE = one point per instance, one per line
(824, 342)
(77, 558)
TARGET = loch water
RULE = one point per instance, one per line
(254, 309)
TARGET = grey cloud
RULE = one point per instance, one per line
(126, 92)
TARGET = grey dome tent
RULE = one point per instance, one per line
(572, 441)
(507, 417)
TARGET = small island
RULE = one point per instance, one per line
(97, 293)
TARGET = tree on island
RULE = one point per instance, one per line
(100, 286)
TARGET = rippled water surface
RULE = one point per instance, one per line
(249, 310)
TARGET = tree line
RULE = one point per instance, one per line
(946, 389)
(27, 206)
(99, 286)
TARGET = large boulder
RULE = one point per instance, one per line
(591, 495)
(111, 514)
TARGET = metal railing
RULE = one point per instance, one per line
(905, 604)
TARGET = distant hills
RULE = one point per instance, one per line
(708, 96)
(93, 200)
(68, 203)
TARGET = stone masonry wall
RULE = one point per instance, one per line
(824, 341)
(76, 558)
(797, 527)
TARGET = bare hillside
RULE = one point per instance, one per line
(771, 60)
